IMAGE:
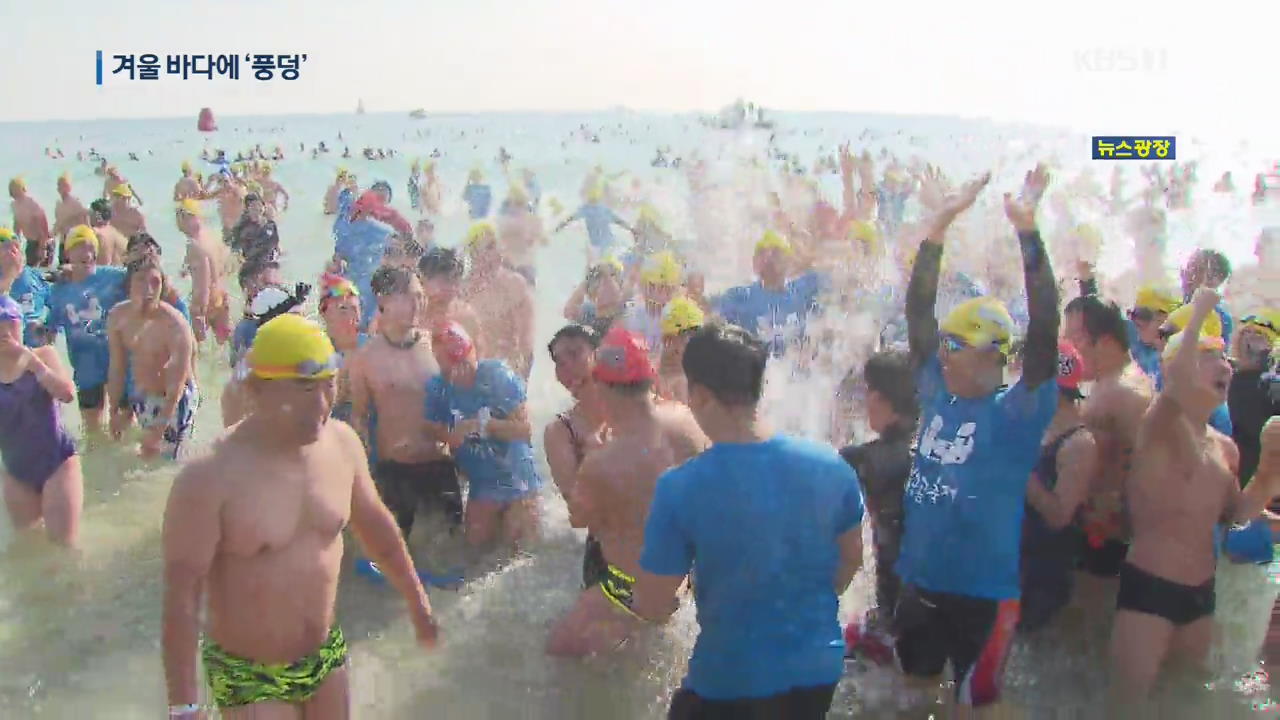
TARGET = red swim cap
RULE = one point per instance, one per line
(1070, 369)
(368, 201)
(451, 338)
(623, 358)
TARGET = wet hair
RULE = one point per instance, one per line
(728, 361)
(252, 197)
(437, 261)
(585, 333)
(1102, 318)
(100, 211)
(890, 374)
(142, 238)
(142, 264)
(390, 281)
(253, 268)
(1215, 265)
(384, 186)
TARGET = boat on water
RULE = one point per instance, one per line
(360, 107)
(739, 116)
(418, 114)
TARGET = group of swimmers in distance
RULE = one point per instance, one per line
(993, 485)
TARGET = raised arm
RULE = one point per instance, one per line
(189, 541)
(51, 375)
(1040, 356)
(922, 290)
(1180, 370)
(1265, 484)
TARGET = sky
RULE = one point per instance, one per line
(1117, 67)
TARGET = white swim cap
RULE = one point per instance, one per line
(267, 300)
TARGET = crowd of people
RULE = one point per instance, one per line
(992, 486)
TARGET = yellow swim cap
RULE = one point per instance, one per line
(773, 241)
(865, 233)
(679, 315)
(1212, 343)
(186, 166)
(342, 172)
(80, 235)
(662, 269)
(475, 175)
(17, 184)
(1151, 297)
(6, 235)
(516, 194)
(479, 231)
(189, 206)
(650, 215)
(1177, 319)
(981, 322)
(610, 262)
(291, 347)
(122, 190)
(595, 194)
(1265, 321)
(65, 177)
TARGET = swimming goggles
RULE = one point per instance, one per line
(1259, 321)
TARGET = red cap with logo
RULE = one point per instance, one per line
(623, 358)
(1070, 370)
(453, 340)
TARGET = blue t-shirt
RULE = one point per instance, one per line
(776, 317)
(599, 220)
(79, 310)
(478, 199)
(1146, 356)
(488, 462)
(1220, 420)
(758, 524)
(964, 500)
(31, 292)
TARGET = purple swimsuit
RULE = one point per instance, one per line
(33, 443)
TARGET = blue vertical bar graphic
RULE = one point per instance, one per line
(99, 67)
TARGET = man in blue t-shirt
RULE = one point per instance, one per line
(771, 527)
(26, 285)
(600, 219)
(978, 441)
(78, 307)
(772, 307)
(477, 195)
(478, 408)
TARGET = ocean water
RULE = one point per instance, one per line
(79, 637)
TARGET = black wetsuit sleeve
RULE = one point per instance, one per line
(1040, 355)
(922, 297)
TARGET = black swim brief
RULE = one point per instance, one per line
(1142, 592)
(405, 486)
(809, 703)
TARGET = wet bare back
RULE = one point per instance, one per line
(68, 213)
(622, 475)
(30, 220)
(395, 380)
(111, 245)
(1113, 414)
(1182, 486)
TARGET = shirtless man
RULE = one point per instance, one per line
(520, 234)
(111, 180)
(30, 221)
(206, 261)
(1182, 486)
(111, 243)
(256, 528)
(1113, 413)
(124, 216)
(69, 211)
(579, 430)
(149, 337)
(503, 298)
(388, 376)
(441, 271)
(230, 196)
(614, 487)
(187, 185)
(273, 192)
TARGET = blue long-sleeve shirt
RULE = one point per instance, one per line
(362, 244)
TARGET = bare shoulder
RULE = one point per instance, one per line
(556, 432)
(204, 474)
(117, 314)
(1081, 444)
(1230, 452)
(345, 438)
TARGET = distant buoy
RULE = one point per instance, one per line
(206, 123)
